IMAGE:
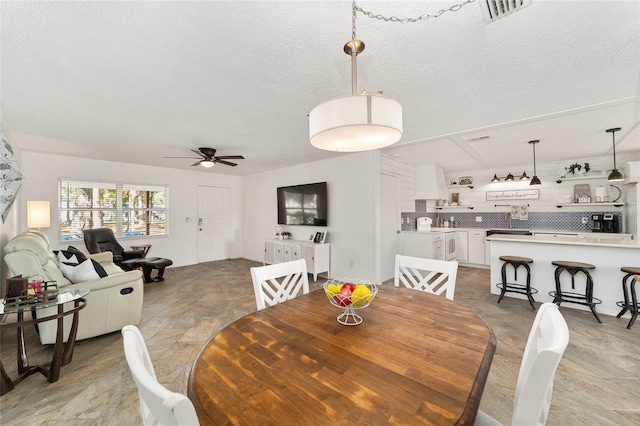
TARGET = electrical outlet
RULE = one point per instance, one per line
(478, 218)
(584, 220)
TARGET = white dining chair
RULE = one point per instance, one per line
(279, 282)
(545, 347)
(430, 275)
(158, 405)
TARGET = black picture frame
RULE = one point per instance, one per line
(318, 237)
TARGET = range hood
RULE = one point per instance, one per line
(430, 183)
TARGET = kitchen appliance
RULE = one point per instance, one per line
(424, 224)
(429, 245)
(451, 244)
(605, 223)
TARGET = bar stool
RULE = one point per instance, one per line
(630, 302)
(516, 262)
(585, 299)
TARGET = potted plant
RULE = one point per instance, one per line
(286, 235)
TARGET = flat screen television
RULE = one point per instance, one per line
(303, 204)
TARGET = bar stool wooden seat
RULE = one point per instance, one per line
(505, 286)
(630, 302)
(585, 298)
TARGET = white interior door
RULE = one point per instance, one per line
(390, 224)
(214, 223)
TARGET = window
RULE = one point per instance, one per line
(129, 210)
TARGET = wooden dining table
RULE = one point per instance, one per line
(416, 358)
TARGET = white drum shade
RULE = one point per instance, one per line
(355, 123)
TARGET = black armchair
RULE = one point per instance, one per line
(102, 239)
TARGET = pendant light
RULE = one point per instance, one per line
(509, 178)
(359, 122)
(524, 176)
(495, 179)
(534, 180)
(615, 175)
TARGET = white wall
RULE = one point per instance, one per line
(352, 210)
(42, 172)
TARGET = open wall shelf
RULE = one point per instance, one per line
(588, 204)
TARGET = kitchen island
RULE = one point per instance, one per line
(606, 253)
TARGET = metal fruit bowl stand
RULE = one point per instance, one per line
(349, 303)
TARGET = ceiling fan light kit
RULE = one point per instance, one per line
(615, 175)
(207, 158)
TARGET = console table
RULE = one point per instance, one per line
(317, 255)
(62, 353)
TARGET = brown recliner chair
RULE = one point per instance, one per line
(99, 240)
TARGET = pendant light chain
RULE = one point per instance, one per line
(353, 20)
(424, 17)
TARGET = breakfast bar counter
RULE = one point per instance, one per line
(607, 254)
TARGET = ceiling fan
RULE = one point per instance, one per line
(207, 158)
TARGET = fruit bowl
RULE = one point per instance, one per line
(350, 295)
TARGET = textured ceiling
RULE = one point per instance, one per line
(137, 81)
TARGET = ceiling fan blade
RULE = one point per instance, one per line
(217, 160)
(197, 163)
(199, 153)
(195, 158)
(230, 157)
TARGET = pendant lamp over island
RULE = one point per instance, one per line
(534, 180)
(615, 174)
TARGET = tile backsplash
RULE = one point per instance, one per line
(553, 221)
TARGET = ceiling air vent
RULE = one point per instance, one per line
(493, 10)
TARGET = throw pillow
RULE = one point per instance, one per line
(79, 254)
(86, 270)
(70, 255)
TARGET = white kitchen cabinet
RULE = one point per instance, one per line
(463, 246)
(430, 183)
(477, 247)
(429, 245)
(317, 256)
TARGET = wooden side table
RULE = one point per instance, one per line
(62, 353)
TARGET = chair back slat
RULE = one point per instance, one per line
(279, 282)
(430, 275)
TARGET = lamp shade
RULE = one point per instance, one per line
(207, 163)
(38, 214)
(615, 176)
(355, 123)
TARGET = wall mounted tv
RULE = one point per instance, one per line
(303, 204)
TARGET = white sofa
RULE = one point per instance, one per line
(113, 302)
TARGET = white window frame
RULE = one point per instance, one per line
(119, 211)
